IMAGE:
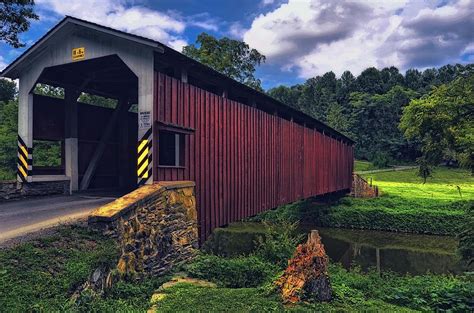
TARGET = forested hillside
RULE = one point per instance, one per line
(368, 107)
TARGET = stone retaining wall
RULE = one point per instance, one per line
(155, 226)
(10, 190)
(362, 189)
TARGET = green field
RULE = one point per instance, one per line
(360, 166)
(406, 204)
(446, 185)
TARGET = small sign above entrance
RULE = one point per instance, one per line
(78, 53)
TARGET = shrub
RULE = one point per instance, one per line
(430, 292)
(466, 237)
(425, 292)
(381, 160)
(278, 243)
(236, 272)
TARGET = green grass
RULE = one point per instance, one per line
(360, 166)
(405, 205)
(6, 174)
(354, 291)
(40, 276)
(442, 187)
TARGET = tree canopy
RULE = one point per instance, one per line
(7, 90)
(443, 121)
(15, 18)
(368, 107)
(230, 57)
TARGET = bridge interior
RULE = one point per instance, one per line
(97, 136)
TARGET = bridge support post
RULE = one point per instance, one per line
(25, 130)
(71, 156)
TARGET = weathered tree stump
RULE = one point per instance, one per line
(306, 277)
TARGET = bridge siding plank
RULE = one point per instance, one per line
(243, 160)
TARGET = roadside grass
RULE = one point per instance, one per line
(40, 276)
(6, 174)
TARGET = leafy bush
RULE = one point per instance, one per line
(278, 243)
(236, 272)
(466, 236)
(381, 160)
(425, 292)
(430, 292)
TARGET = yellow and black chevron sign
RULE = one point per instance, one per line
(24, 161)
(144, 162)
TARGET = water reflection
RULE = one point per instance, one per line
(402, 253)
(385, 251)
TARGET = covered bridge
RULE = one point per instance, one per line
(174, 119)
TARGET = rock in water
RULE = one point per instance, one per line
(306, 277)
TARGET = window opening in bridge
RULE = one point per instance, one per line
(171, 148)
(97, 100)
(49, 91)
(48, 157)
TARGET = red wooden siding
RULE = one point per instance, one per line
(243, 160)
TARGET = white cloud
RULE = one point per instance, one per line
(121, 15)
(236, 30)
(204, 21)
(267, 2)
(3, 64)
(316, 36)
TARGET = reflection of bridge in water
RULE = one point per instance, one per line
(415, 254)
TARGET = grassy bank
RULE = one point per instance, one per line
(406, 204)
(41, 276)
(354, 292)
(245, 284)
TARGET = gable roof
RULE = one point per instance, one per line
(9, 71)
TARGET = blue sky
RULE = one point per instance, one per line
(301, 38)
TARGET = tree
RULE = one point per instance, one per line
(286, 95)
(230, 57)
(7, 90)
(443, 121)
(375, 123)
(370, 81)
(15, 17)
(8, 139)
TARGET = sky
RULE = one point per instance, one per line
(300, 38)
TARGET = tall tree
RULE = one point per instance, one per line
(15, 18)
(8, 139)
(230, 57)
(444, 122)
(370, 81)
(376, 118)
(7, 90)
(286, 95)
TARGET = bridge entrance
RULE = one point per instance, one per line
(90, 120)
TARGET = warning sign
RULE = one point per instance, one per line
(144, 119)
(78, 53)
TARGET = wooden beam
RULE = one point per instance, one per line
(86, 179)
